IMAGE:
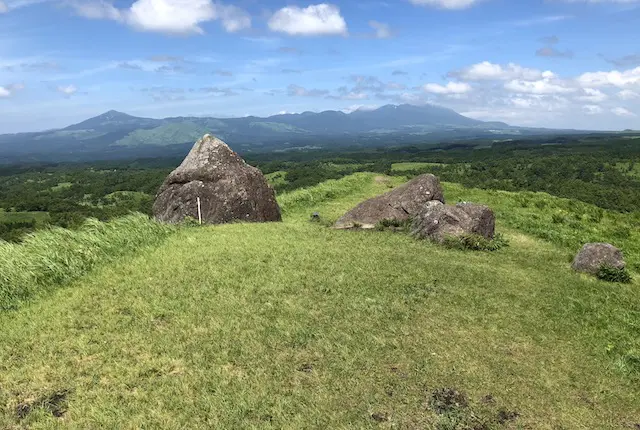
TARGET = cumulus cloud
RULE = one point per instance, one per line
(613, 78)
(592, 109)
(382, 30)
(450, 88)
(593, 95)
(620, 111)
(314, 20)
(10, 90)
(486, 71)
(446, 4)
(628, 95)
(167, 16)
(67, 90)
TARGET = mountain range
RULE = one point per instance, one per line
(118, 135)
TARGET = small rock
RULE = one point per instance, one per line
(592, 256)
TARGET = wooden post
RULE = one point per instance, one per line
(199, 212)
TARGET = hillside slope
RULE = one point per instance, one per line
(294, 325)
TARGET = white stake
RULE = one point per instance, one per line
(199, 212)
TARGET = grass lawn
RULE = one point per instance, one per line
(294, 325)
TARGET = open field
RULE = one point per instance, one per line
(295, 325)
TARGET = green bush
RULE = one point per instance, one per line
(613, 274)
(475, 242)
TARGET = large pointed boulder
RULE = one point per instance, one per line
(399, 204)
(229, 189)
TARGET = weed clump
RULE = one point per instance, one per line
(394, 225)
(475, 242)
(614, 274)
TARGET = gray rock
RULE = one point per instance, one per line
(399, 204)
(436, 221)
(483, 220)
(593, 255)
(229, 189)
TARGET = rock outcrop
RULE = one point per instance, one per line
(592, 256)
(436, 221)
(399, 204)
(228, 188)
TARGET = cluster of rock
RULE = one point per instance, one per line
(215, 184)
(422, 201)
(227, 187)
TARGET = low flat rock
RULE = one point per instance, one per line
(399, 204)
(436, 221)
(592, 256)
(229, 189)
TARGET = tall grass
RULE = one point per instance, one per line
(49, 258)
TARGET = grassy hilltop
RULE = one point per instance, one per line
(295, 325)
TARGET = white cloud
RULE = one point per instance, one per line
(450, 88)
(592, 109)
(628, 95)
(68, 90)
(613, 78)
(320, 19)
(167, 16)
(486, 71)
(383, 31)
(542, 86)
(620, 111)
(593, 95)
(446, 4)
(9, 90)
(354, 108)
(97, 9)
(3, 8)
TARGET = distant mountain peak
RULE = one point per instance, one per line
(114, 114)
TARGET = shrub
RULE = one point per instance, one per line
(474, 242)
(394, 224)
(558, 218)
(613, 274)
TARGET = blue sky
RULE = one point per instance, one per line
(551, 63)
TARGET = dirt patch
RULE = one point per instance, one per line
(488, 400)
(505, 416)
(307, 368)
(445, 400)
(380, 417)
(55, 403)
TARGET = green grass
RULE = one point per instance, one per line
(53, 257)
(564, 222)
(403, 167)
(294, 325)
(39, 217)
(277, 178)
